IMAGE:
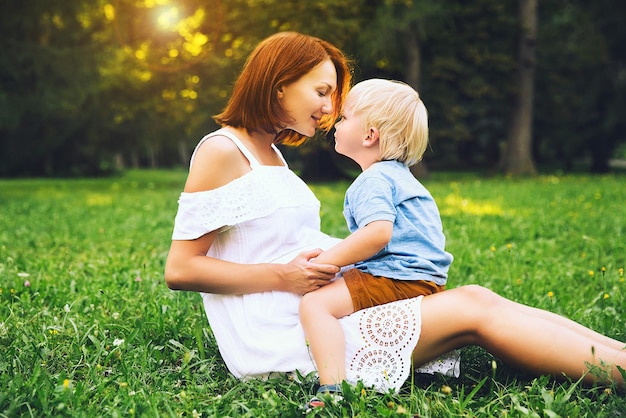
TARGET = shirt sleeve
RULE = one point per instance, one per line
(370, 199)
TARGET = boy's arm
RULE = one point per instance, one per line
(358, 246)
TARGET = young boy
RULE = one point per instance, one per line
(396, 242)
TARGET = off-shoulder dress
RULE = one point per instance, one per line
(269, 215)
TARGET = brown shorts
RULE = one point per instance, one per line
(367, 290)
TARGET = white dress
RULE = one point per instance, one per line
(271, 215)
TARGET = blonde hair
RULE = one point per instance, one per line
(396, 110)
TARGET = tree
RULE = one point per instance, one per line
(48, 85)
(581, 85)
(517, 157)
(87, 85)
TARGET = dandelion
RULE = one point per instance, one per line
(446, 390)
(606, 296)
(509, 246)
(66, 384)
(550, 295)
(363, 392)
(591, 273)
(492, 249)
(12, 291)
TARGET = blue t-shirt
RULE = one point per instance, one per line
(388, 191)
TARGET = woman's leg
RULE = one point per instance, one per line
(574, 326)
(534, 341)
(319, 311)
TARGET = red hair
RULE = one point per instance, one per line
(279, 60)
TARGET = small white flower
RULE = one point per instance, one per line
(23, 274)
(66, 308)
(115, 315)
(117, 342)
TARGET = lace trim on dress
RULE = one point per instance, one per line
(389, 334)
(206, 211)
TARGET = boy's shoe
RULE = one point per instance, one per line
(325, 393)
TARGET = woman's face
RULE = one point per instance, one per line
(309, 98)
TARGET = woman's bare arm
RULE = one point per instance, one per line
(187, 266)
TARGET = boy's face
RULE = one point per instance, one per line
(350, 133)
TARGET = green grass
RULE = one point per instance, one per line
(89, 328)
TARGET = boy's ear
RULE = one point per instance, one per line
(372, 137)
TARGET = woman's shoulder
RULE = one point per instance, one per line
(217, 161)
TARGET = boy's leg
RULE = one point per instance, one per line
(319, 313)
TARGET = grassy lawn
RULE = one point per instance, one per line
(89, 328)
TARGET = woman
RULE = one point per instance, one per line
(247, 230)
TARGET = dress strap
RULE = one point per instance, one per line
(254, 163)
(280, 155)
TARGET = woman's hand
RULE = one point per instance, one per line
(304, 275)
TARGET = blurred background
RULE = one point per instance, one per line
(93, 87)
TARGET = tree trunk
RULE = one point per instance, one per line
(413, 57)
(517, 155)
(412, 77)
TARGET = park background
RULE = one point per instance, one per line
(101, 103)
(90, 87)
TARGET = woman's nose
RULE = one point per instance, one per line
(327, 107)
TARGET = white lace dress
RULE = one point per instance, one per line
(270, 215)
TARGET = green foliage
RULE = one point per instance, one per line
(48, 83)
(89, 86)
(89, 328)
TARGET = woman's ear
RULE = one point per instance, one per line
(280, 93)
